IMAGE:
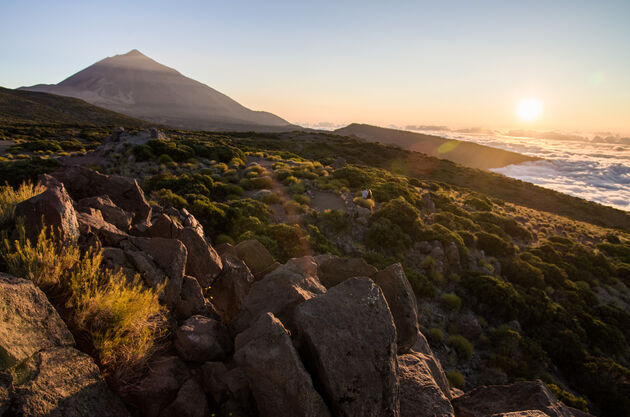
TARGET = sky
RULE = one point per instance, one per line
(455, 63)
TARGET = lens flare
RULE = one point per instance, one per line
(529, 109)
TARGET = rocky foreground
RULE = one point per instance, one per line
(317, 336)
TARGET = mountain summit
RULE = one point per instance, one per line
(136, 85)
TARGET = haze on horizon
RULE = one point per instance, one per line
(456, 63)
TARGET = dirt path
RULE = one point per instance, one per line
(324, 200)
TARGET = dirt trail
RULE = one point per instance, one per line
(324, 200)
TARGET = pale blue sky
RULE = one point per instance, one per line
(461, 63)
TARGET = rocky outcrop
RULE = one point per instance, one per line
(422, 351)
(350, 346)
(41, 373)
(231, 287)
(256, 257)
(110, 212)
(280, 292)
(402, 303)
(190, 402)
(420, 395)
(530, 396)
(124, 192)
(280, 384)
(202, 339)
(192, 301)
(333, 270)
(54, 208)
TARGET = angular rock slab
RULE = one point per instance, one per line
(349, 343)
(333, 270)
(190, 402)
(420, 395)
(55, 208)
(231, 287)
(202, 339)
(501, 399)
(423, 352)
(402, 303)
(280, 292)
(255, 255)
(63, 382)
(280, 384)
(28, 322)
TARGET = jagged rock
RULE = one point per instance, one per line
(228, 387)
(420, 395)
(202, 339)
(279, 293)
(224, 249)
(160, 261)
(333, 270)
(255, 255)
(422, 351)
(402, 303)
(63, 382)
(29, 322)
(528, 413)
(190, 402)
(55, 207)
(193, 302)
(487, 401)
(91, 221)
(202, 262)
(111, 213)
(160, 386)
(82, 182)
(280, 384)
(349, 343)
(231, 287)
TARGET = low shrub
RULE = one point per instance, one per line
(462, 346)
(451, 302)
(455, 379)
(10, 197)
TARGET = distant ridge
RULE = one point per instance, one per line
(136, 85)
(461, 152)
(29, 107)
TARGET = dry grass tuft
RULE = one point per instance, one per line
(10, 197)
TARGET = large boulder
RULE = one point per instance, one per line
(110, 212)
(63, 382)
(41, 373)
(420, 395)
(333, 270)
(203, 262)
(160, 386)
(201, 339)
(280, 384)
(192, 301)
(231, 287)
(349, 343)
(82, 182)
(422, 351)
(402, 303)
(54, 207)
(280, 292)
(256, 257)
(29, 322)
(487, 401)
(161, 262)
(229, 388)
(190, 402)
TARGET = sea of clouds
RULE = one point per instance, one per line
(595, 168)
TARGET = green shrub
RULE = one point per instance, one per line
(451, 302)
(402, 214)
(436, 335)
(494, 245)
(455, 379)
(461, 345)
(142, 153)
(481, 204)
(167, 198)
(494, 297)
(165, 159)
(367, 203)
(523, 273)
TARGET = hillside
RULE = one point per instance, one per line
(135, 85)
(461, 152)
(28, 107)
(503, 292)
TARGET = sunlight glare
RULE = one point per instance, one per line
(529, 109)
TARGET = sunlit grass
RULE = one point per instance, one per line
(10, 198)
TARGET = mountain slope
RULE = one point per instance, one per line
(30, 107)
(465, 153)
(136, 85)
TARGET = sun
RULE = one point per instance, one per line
(529, 109)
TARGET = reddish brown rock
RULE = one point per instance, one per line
(110, 212)
(190, 402)
(280, 292)
(333, 270)
(280, 384)
(402, 303)
(201, 339)
(487, 401)
(420, 395)
(54, 208)
(231, 287)
(349, 343)
(193, 302)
